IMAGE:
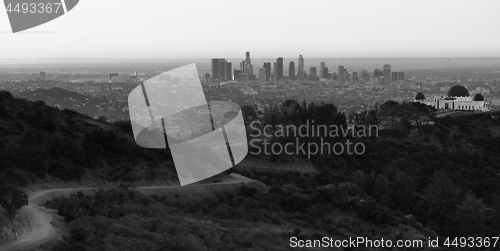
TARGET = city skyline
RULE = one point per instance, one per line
(221, 71)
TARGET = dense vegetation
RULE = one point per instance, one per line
(244, 219)
(444, 171)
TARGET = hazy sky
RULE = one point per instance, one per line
(267, 28)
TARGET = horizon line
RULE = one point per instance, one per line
(174, 58)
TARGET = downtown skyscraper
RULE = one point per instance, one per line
(387, 74)
(279, 70)
(322, 66)
(262, 74)
(248, 66)
(341, 73)
(220, 70)
(291, 70)
(267, 66)
(300, 71)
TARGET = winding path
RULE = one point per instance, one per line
(40, 218)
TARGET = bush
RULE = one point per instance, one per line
(12, 200)
(247, 191)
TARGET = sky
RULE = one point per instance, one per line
(267, 28)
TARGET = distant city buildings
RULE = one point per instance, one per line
(279, 70)
(236, 74)
(387, 74)
(323, 71)
(313, 74)
(275, 71)
(242, 66)
(301, 70)
(365, 75)
(340, 73)
(355, 76)
(322, 65)
(248, 61)
(343, 74)
(222, 71)
(267, 66)
(43, 76)
(398, 76)
(262, 75)
(249, 66)
(291, 70)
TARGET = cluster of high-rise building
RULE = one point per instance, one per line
(221, 71)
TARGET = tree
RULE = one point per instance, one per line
(390, 110)
(470, 217)
(417, 113)
(403, 191)
(358, 178)
(249, 113)
(382, 190)
(440, 198)
(12, 200)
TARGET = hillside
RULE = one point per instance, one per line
(69, 146)
(413, 182)
(41, 146)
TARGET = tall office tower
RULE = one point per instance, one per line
(355, 76)
(207, 77)
(275, 71)
(341, 74)
(365, 75)
(262, 74)
(236, 74)
(312, 72)
(242, 66)
(222, 70)
(322, 65)
(267, 66)
(279, 72)
(301, 67)
(378, 73)
(326, 73)
(345, 75)
(398, 76)
(291, 70)
(229, 74)
(249, 72)
(387, 74)
(214, 72)
(43, 75)
(394, 76)
(248, 61)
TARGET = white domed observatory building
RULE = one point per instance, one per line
(458, 98)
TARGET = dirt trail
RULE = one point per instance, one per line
(40, 218)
